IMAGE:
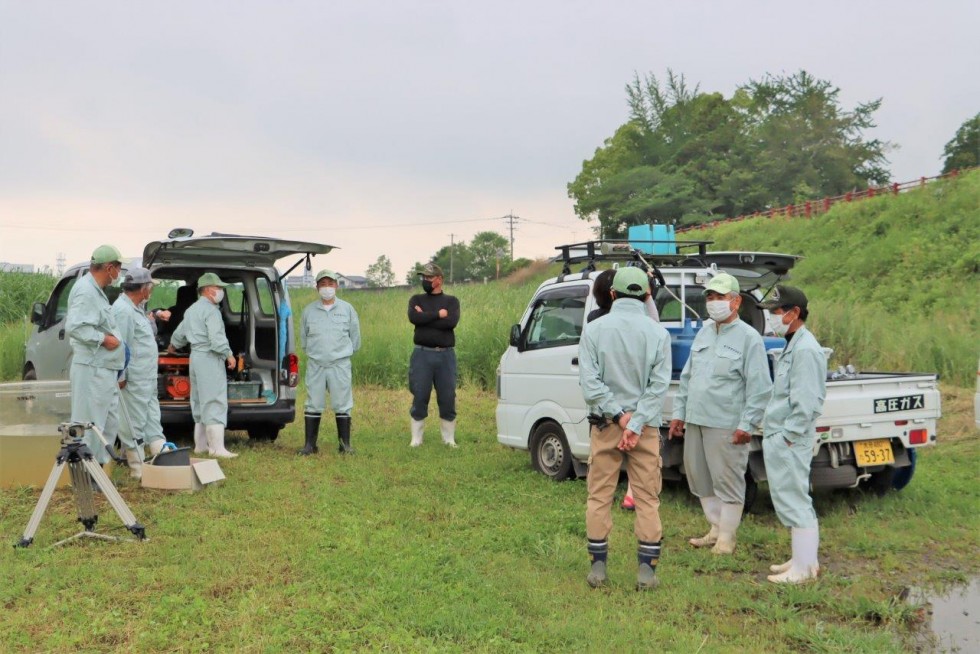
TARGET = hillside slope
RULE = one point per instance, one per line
(894, 281)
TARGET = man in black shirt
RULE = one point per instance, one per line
(435, 315)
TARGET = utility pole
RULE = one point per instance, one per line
(452, 249)
(511, 221)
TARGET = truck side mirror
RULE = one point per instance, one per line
(37, 313)
(515, 335)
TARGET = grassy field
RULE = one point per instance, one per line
(467, 550)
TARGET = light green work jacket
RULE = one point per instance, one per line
(203, 328)
(137, 333)
(624, 364)
(725, 383)
(799, 389)
(330, 335)
(88, 320)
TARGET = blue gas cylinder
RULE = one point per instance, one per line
(681, 339)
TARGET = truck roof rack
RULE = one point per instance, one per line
(590, 252)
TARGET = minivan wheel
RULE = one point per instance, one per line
(264, 433)
(30, 374)
(549, 452)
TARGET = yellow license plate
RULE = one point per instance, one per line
(874, 453)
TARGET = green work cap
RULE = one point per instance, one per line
(631, 281)
(209, 279)
(326, 272)
(722, 283)
(106, 254)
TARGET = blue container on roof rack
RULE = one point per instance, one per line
(665, 242)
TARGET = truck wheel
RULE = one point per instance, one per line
(904, 475)
(264, 433)
(549, 452)
(751, 492)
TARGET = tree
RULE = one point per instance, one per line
(380, 274)
(412, 276)
(454, 259)
(964, 150)
(689, 156)
(488, 252)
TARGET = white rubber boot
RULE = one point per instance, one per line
(157, 446)
(216, 442)
(418, 430)
(731, 517)
(712, 511)
(134, 458)
(803, 566)
(448, 429)
(200, 439)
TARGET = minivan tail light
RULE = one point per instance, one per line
(292, 365)
(918, 436)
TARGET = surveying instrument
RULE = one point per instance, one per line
(84, 471)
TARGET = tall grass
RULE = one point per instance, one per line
(18, 291)
(486, 313)
(13, 336)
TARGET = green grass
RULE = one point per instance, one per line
(893, 281)
(408, 550)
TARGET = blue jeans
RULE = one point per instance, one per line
(428, 368)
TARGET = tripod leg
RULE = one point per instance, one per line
(42, 505)
(81, 483)
(115, 499)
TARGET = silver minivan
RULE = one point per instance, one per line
(256, 312)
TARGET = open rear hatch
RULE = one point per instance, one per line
(218, 248)
(754, 269)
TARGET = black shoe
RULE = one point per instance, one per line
(312, 430)
(343, 435)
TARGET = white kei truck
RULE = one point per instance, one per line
(871, 425)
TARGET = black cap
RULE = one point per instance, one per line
(784, 296)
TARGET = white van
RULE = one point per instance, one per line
(256, 312)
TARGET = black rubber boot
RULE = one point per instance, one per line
(343, 435)
(312, 429)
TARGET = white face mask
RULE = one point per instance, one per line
(327, 292)
(719, 310)
(778, 326)
(219, 295)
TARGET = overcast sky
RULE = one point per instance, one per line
(384, 127)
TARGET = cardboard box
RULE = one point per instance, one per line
(194, 477)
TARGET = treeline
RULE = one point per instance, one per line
(485, 257)
(689, 156)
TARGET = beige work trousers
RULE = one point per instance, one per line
(643, 465)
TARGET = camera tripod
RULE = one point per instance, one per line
(84, 470)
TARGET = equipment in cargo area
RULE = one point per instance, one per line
(174, 381)
(173, 377)
(84, 471)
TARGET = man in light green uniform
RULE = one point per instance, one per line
(723, 392)
(140, 406)
(624, 370)
(204, 330)
(331, 334)
(789, 430)
(98, 356)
